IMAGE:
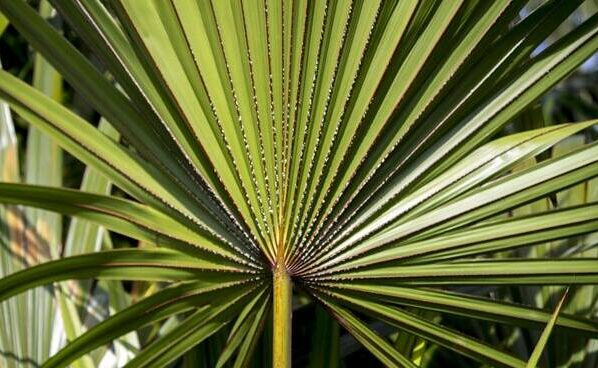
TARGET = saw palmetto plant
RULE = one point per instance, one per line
(351, 152)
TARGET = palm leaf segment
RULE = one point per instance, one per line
(342, 146)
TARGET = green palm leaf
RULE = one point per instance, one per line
(350, 150)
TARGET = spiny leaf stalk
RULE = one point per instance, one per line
(282, 299)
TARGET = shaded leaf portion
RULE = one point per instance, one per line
(193, 330)
(430, 331)
(376, 344)
(245, 332)
(249, 344)
(325, 341)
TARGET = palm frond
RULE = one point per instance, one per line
(350, 150)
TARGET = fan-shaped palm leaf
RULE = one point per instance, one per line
(342, 147)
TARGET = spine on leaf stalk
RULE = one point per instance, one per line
(282, 313)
